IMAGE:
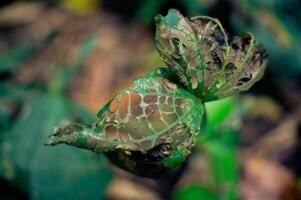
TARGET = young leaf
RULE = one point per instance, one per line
(207, 63)
(218, 111)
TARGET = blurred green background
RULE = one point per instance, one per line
(61, 60)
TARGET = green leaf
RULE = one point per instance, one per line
(195, 192)
(50, 37)
(218, 111)
(4, 118)
(152, 116)
(207, 63)
(135, 118)
(276, 25)
(14, 92)
(48, 173)
(85, 51)
(224, 167)
(16, 56)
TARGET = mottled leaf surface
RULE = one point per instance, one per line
(152, 111)
(138, 117)
(205, 60)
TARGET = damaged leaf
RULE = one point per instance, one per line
(208, 63)
(151, 121)
(151, 127)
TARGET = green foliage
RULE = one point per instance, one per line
(16, 56)
(224, 170)
(224, 166)
(76, 174)
(135, 120)
(276, 24)
(222, 155)
(218, 111)
(219, 142)
(209, 65)
(47, 173)
(151, 127)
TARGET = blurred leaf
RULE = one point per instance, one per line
(11, 97)
(85, 51)
(74, 174)
(13, 91)
(50, 37)
(276, 24)
(224, 162)
(11, 59)
(65, 75)
(218, 111)
(221, 146)
(4, 117)
(195, 192)
(224, 168)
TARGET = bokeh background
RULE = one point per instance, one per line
(61, 61)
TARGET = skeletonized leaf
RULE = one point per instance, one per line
(153, 111)
(206, 62)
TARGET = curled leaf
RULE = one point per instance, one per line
(147, 129)
(152, 112)
(205, 60)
